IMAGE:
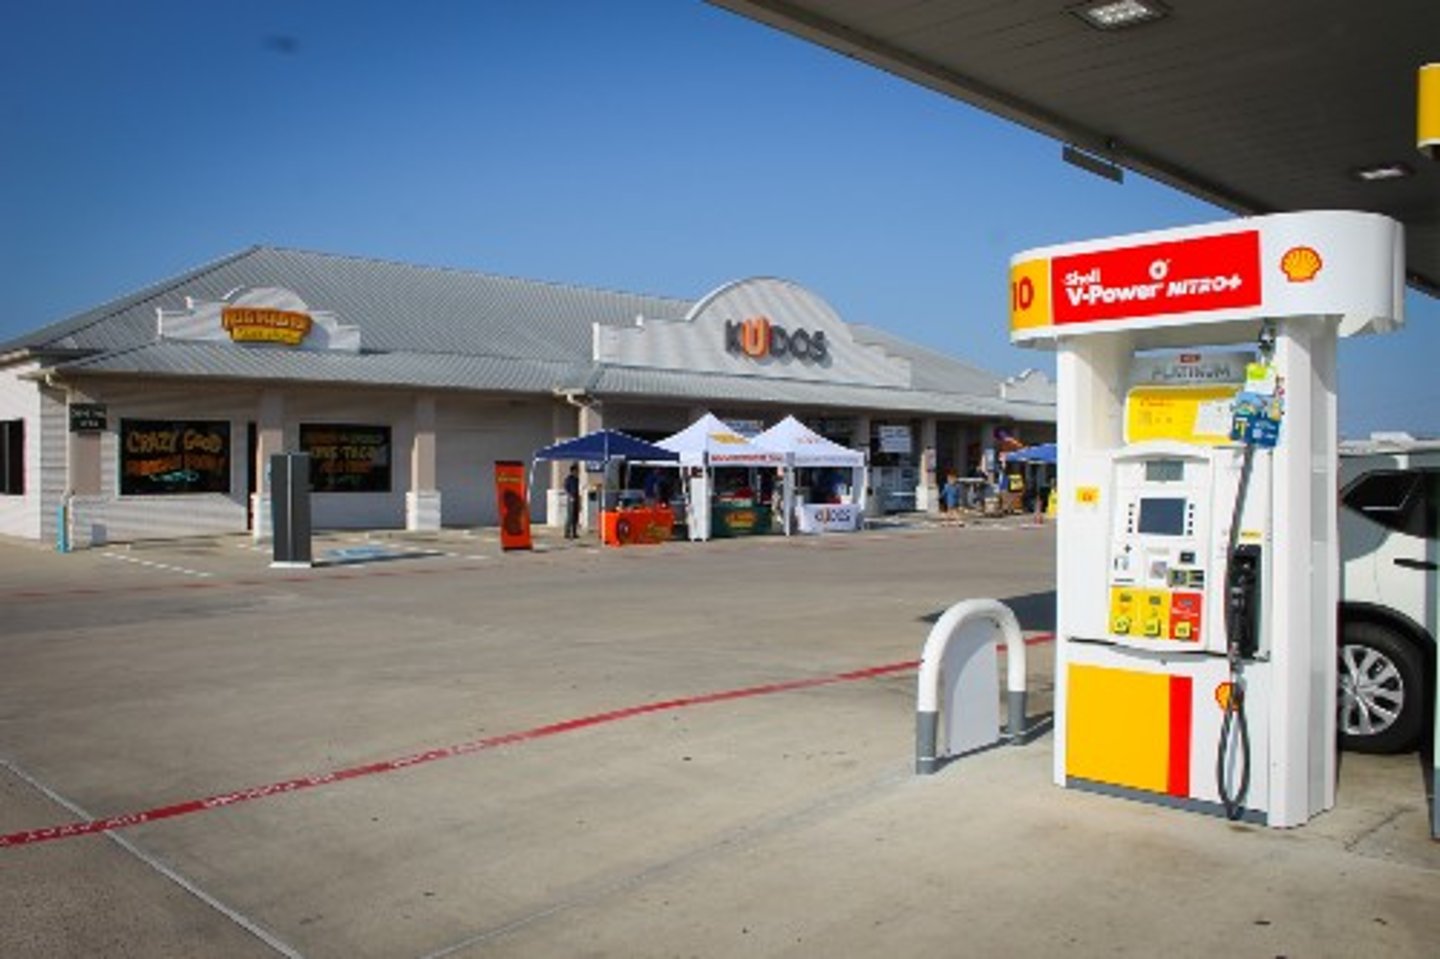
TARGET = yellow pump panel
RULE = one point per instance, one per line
(1119, 727)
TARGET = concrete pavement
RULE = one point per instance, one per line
(785, 822)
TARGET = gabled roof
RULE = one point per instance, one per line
(119, 324)
(452, 329)
(400, 307)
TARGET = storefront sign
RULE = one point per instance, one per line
(249, 324)
(514, 505)
(160, 457)
(757, 337)
(346, 458)
(894, 439)
(87, 417)
(262, 315)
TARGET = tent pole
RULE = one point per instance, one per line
(530, 488)
(787, 498)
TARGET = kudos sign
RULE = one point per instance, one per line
(757, 338)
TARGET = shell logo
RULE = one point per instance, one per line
(1300, 264)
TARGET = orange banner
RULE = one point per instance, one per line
(513, 504)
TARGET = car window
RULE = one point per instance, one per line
(1397, 499)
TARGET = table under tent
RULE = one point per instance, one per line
(727, 479)
(620, 521)
(824, 482)
(1037, 464)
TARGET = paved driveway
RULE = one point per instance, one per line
(426, 747)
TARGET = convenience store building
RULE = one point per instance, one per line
(153, 416)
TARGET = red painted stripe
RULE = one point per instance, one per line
(192, 806)
(1178, 779)
(320, 574)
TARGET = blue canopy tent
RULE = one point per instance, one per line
(1041, 453)
(1039, 461)
(603, 447)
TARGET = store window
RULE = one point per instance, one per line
(160, 457)
(346, 458)
(12, 457)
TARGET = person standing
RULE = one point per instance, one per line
(950, 496)
(572, 502)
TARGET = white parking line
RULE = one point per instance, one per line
(251, 926)
(151, 564)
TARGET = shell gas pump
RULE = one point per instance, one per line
(1197, 559)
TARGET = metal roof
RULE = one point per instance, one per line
(399, 369)
(399, 306)
(929, 370)
(452, 329)
(613, 381)
(1258, 107)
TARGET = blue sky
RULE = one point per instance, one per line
(653, 146)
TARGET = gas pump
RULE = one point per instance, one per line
(1197, 568)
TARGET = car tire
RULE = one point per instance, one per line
(1382, 690)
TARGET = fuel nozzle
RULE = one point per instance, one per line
(1242, 596)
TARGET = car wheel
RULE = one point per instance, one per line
(1382, 692)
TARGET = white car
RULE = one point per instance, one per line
(1389, 505)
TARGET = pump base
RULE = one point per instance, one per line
(1255, 817)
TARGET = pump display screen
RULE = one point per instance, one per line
(1164, 471)
(1162, 516)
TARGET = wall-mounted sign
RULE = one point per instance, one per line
(87, 417)
(894, 439)
(174, 456)
(249, 324)
(262, 316)
(346, 458)
(758, 338)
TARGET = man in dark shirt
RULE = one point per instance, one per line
(572, 502)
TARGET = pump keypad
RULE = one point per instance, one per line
(1158, 614)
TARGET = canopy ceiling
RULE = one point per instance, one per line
(1260, 107)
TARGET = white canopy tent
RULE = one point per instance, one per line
(710, 442)
(704, 445)
(804, 448)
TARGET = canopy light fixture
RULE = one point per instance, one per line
(1382, 171)
(1120, 14)
(1092, 164)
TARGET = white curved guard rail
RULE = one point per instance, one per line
(957, 676)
